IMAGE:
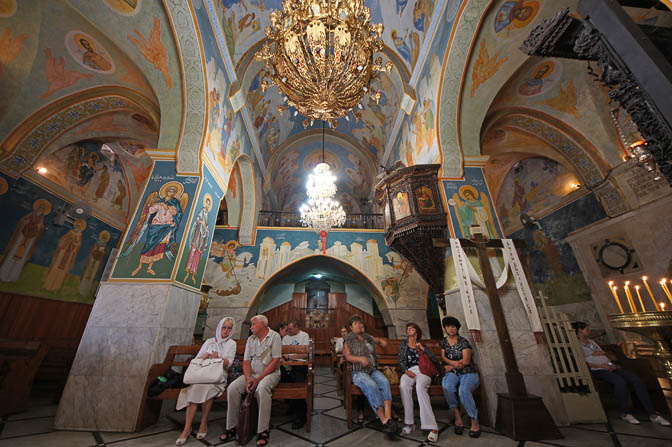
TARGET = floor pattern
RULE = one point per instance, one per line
(34, 427)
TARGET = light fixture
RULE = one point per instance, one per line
(317, 275)
(321, 55)
(321, 212)
(42, 170)
(639, 152)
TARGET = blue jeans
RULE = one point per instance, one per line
(375, 387)
(620, 378)
(467, 383)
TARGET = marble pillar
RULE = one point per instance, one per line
(533, 359)
(130, 328)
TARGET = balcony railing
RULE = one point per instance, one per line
(287, 219)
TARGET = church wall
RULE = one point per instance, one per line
(553, 265)
(54, 258)
(237, 273)
(359, 297)
(275, 296)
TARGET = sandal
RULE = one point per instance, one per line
(262, 438)
(228, 435)
(360, 419)
(433, 437)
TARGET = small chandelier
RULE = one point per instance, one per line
(322, 58)
(321, 212)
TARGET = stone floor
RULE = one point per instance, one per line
(34, 428)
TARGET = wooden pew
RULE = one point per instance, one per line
(151, 406)
(19, 362)
(389, 356)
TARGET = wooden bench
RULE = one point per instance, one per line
(151, 406)
(389, 356)
(19, 362)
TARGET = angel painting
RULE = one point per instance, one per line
(473, 213)
(160, 218)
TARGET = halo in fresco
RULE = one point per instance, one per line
(315, 157)
(541, 78)
(88, 53)
(3, 186)
(124, 7)
(7, 8)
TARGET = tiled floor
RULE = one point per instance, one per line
(34, 428)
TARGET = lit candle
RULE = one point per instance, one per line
(665, 289)
(662, 306)
(646, 284)
(628, 295)
(640, 299)
(613, 292)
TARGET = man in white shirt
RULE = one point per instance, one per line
(297, 374)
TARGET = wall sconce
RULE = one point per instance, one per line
(644, 158)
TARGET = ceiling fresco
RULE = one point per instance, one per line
(353, 168)
(406, 24)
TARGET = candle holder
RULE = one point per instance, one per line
(656, 326)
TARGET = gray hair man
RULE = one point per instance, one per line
(261, 374)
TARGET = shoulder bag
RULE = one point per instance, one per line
(205, 371)
(247, 420)
(426, 365)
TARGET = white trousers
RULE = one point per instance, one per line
(422, 383)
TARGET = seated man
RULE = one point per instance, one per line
(261, 374)
(296, 374)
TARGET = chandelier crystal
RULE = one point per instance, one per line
(322, 57)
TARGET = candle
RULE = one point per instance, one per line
(662, 306)
(663, 285)
(628, 295)
(646, 284)
(613, 291)
(640, 299)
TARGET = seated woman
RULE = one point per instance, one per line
(220, 346)
(409, 360)
(602, 369)
(360, 350)
(460, 371)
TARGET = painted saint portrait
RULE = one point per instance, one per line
(7, 8)
(64, 257)
(400, 205)
(514, 15)
(159, 221)
(473, 213)
(94, 263)
(88, 52)
(541, 79)
(22, 244)
(198, 241)
(425, 197)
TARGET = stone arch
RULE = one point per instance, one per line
(248, 218)
(29, 140)
(332, 262)
(571, 145)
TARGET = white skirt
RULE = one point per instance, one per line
(199, 393)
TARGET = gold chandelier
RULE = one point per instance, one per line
(322, 56)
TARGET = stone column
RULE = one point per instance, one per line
(533, 360)
(130, 328)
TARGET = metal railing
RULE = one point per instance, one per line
(288, 219)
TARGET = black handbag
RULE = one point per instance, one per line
(247, 420)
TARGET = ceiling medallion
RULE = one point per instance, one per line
(321, 53)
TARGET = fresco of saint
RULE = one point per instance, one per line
(22, 244)
(199, 239)
(474, 212)
(94, 263)
(160, 218)
(64, 257)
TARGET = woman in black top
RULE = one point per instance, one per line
(460, 371)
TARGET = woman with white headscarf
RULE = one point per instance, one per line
(220, 346)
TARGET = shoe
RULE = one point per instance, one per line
(360, 419)
(474, 433)
(201, 435)
(630, 419)
(658, 419)
(458, 429)
(298, 424)
(391, 429)
(407, 429)
(181, 441)
(432, 437)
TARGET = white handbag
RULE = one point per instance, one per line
(205, 371)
